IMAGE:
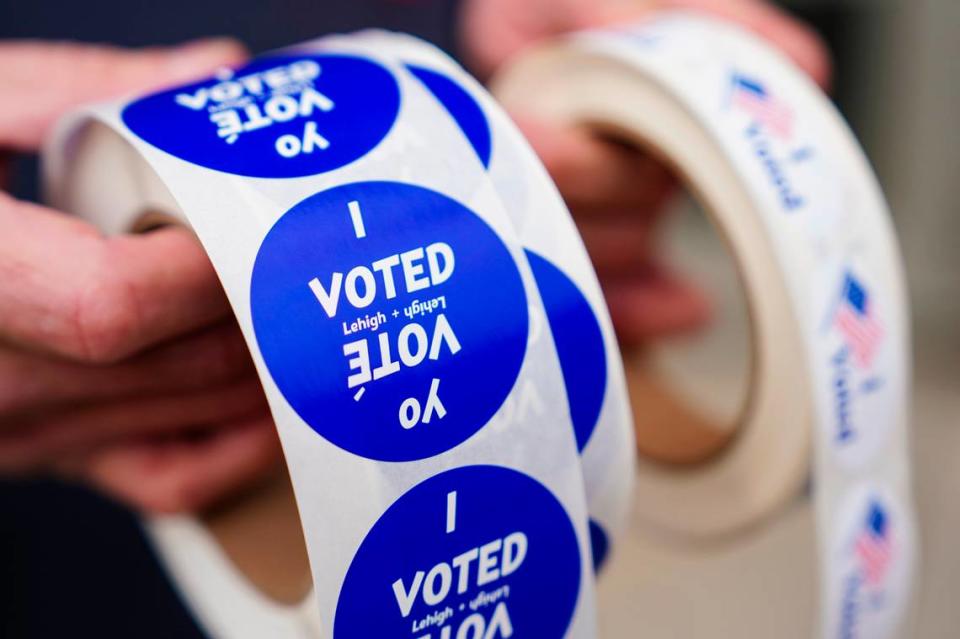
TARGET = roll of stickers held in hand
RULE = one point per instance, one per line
(435, 348)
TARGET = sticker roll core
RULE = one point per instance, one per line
(790, 193)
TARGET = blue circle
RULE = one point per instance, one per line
(579, 342)
(278, 117)
(502, 518)
(461, 106)
(341, 366)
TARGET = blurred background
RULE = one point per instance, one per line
(69, 559)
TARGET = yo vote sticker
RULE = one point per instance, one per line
(475, 552)
(391, 317)
(278, 117)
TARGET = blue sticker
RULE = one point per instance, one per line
(391, 317)
(599, 545)
(462, 108)
(475, 552)
(278, 117)
(579, 342)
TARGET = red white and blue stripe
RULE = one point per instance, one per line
(857, 322)
(752, 97)
(873, 546)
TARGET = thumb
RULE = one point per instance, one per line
(43, 80)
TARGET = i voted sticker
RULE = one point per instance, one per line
(278, 117)
(480, 552)
(391, 317)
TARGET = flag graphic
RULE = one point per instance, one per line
(873, 546)
(753, 98)
(856, 321)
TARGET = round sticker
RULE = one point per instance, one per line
(392, 318)
(870, 565)
(861, 373)
(475, 552)
(579, 343)
(277, 117)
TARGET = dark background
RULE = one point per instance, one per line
(72, 563)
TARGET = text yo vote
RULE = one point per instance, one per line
(392, 318)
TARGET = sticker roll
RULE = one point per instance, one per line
(435, 368)
(789, 190)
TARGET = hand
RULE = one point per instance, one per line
(617, 194)
(120, 362)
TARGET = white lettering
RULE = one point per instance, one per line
(328, 300)
(487, 566)
(431, 594)
(354, 296)
(360, 363)
(405, 598)
(440, 266)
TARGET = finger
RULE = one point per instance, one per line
(656, 305)
(492, 31)
(42, 80)
(210, 357)
(619, 245)
(798, 41)
(67, 290)
(594, 173)
(187, 475)
(39, 440)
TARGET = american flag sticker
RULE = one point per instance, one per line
(857, 322)
(752, 97)
(873, 546)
